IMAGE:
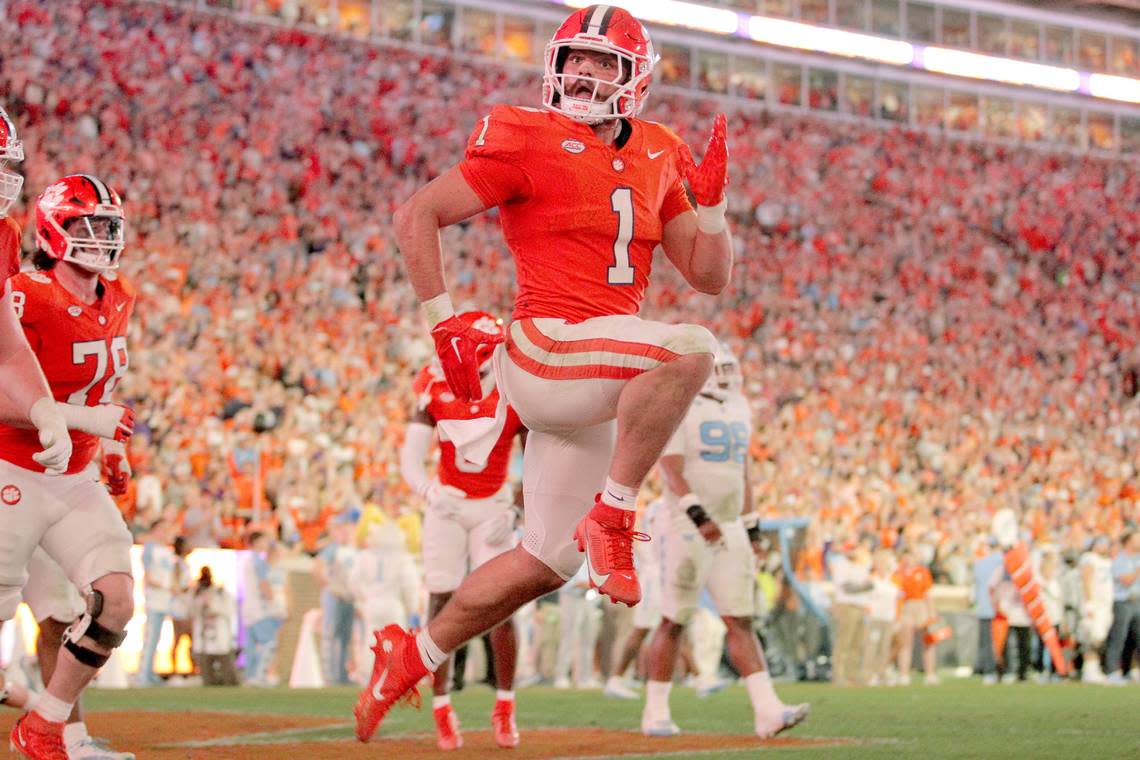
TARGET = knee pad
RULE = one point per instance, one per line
(88, 625)
(695, 339)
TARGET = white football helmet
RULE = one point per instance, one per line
(725, 377)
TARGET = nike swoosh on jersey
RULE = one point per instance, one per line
(120, 307)
(596, 578)
(654, 154)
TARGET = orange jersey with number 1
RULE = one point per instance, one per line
(581, 218)
(81, 348)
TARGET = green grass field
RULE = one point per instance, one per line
(960, 719)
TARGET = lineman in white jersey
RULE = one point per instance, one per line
(707, 544)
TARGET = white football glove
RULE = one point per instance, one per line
(110, 421)
(55, 439)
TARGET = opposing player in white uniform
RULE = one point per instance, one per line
(705, 468)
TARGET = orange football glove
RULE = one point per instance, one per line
(708, 180)
(456, 343)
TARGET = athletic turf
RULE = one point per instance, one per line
(959, 719)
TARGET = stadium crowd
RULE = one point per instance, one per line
(930, 329)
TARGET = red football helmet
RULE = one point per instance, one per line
(488, 323)
(606, 29)
(95, 241)
(11, 149)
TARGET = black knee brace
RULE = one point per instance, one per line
(87, 625)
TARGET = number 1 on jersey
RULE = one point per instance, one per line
(621, 273)
(481, 140)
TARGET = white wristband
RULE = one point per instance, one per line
(710, 219)
(688, 500)
(438, 309)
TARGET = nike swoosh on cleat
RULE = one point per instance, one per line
(654, 154)
(376, 690)
(455, 348)
(596, 578)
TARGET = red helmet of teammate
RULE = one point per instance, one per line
(488, 323)
(79, 219)
(605, 29)
(11, 149)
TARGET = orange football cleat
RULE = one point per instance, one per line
(447, 728)
(606, 535)
(395, 673)
(37, 738)
(503, 724)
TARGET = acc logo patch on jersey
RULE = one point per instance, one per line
(573, 146)
(10, 495)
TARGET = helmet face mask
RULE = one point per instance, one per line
(94, 242)
(610, 31)
(11, 151)
(10, 186)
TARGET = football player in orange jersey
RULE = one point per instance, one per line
(470, 518)
(586, 191)
(74, 313)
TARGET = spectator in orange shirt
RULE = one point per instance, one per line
(917, 611)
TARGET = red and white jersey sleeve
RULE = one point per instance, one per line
(435, 398)
(82, 349)
(9, 251)
(581, 218)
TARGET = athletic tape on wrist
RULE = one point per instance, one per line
(711, 219)
(438, 309)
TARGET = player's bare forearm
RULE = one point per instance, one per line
(23, 382)
(703, 259)
(672, 469)
(444, 201)
(711, 261)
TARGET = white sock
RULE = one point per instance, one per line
(52, 709)
(617, 495)
(438, 702)
(430, 652)
(73, 733)
(760, 691)
(502, 695)
(657, 699)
